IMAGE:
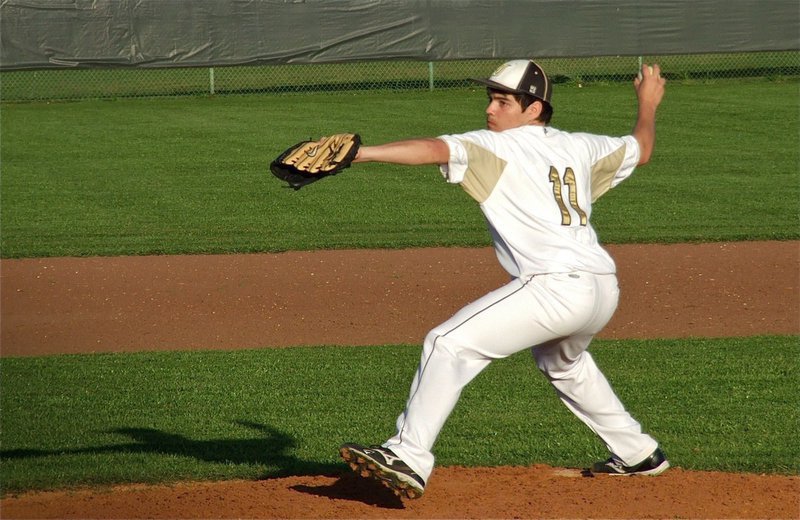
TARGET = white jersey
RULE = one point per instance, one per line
(535, 186)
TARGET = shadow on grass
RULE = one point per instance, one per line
(271, 448)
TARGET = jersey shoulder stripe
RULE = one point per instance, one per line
(605, 170)
(483, 171)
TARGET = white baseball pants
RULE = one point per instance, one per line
(555, 316)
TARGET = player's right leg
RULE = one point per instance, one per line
(584, 389)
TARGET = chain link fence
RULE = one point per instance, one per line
(61, 84)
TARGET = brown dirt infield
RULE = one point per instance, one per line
(78, 305)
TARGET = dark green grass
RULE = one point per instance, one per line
(77, 420)
(190, 175)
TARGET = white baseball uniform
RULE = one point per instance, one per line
(535, 186)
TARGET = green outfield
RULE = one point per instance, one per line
(190, 175)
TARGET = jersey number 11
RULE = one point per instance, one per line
(572, 187)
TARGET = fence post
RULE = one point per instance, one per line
(430, 76)
(211, 80)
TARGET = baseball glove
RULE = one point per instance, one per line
(310, 161)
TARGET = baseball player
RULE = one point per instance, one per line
(535, 185)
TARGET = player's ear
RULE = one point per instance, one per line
(534, 110)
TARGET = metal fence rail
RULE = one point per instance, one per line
(70, 84)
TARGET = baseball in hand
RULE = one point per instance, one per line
(649, 69)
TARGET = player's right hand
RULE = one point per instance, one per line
(649, 84)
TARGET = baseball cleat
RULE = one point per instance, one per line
(653, 465)
(381, 464)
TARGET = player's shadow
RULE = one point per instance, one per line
(350, 486)
(270, 448)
